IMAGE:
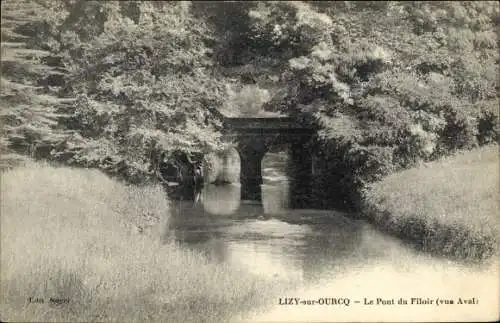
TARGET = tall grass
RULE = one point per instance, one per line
(448, 207)
(76, 234)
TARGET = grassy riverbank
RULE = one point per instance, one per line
(94, 244)
(448, 207)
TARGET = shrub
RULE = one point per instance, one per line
(246, 101)
(488, 128)
(459, 131)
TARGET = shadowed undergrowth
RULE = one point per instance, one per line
(76, 234)
(447, 207)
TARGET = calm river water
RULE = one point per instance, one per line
(329, 255)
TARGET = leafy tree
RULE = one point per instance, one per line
(31, 77)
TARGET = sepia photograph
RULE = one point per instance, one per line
(249, 161)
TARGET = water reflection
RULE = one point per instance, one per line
(269, 238)
(276, 196)
(225, 200)
(222, 199)
(251, 237)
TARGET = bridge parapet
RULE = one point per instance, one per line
(261, 124)
(280, 124)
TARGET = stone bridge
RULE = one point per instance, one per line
(253, 138)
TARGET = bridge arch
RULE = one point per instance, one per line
(253, 137)
(222, 166)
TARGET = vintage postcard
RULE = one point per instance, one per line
(249, 161)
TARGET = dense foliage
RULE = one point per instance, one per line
(390, 84)
(141, 79)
